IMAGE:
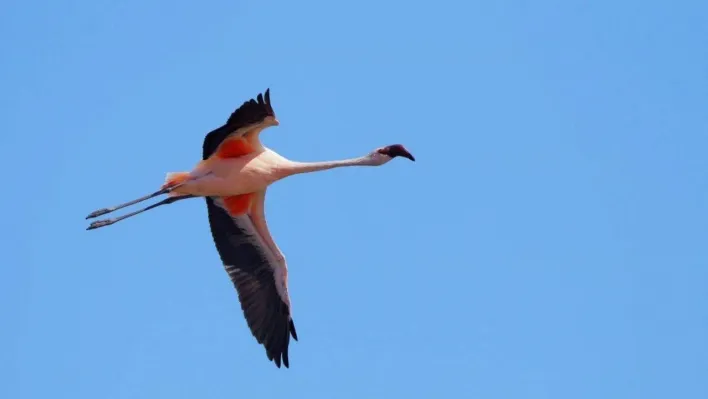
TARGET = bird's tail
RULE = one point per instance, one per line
(174, 178)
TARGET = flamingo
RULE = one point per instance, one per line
(233, 176)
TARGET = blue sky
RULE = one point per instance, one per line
(549, 242)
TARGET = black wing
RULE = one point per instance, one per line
(250, 112)
(243, 254)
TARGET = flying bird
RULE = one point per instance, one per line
(233, 176)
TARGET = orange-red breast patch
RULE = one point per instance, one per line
(238, 205)
(234, 148)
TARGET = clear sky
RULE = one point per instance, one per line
(549, 242)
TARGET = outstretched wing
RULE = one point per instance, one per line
(245, 118)
(257, 277)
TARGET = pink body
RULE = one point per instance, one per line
(235, 176)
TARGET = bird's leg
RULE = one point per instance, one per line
(108, 222)
(104, 211)
(164, 190)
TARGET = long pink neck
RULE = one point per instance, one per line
(294, 168)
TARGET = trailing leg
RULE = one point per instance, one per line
(108, 222)
(172, 182)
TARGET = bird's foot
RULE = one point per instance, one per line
(100, 223)
(99, 212)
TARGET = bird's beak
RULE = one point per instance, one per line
(397, 150)
(408, 155)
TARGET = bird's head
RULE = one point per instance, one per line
(384, 154)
